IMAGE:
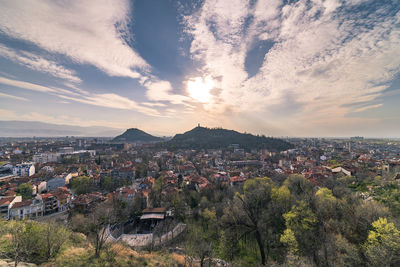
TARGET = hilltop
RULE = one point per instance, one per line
(136, 135)
(202, 137)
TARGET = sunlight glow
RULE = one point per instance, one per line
(199, 88)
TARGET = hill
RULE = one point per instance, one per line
(41, 129)
(136, 135)
(201, 137)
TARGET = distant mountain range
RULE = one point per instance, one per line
(136, 135)
(201, 137)
(40, 129)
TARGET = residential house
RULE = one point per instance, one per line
(50, 202)
(27, 209)
(6, 203)
(24, 169)
(55, 183)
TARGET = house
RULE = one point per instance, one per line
(124, 173)
(339, 170)
(46, 157)
(6, 203)
(55, 183)
(50, 203)
(27, 209)
(150, 218)
(238, 180)
(24, 169)
(86, 201)
(41, 187)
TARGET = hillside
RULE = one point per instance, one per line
(136, 135)
(201, 137)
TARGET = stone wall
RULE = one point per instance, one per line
(145, 240)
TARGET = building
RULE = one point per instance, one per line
(24, 169)
(27, 209)
(55, 183)
(6, 203)
(50, 203)
(46, 157)
(66, 150)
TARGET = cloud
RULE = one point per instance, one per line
(103, 100)
(63, 119)
(3, 95)
(37, 63)
(28, 86)
(158, 90)
(322, 58)
(113, 101)
(368, 107)
(89, 32)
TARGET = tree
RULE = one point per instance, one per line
(25, 190)
(15, 248)
(82, 185)
(54, 238)
(247, 211)
(198, 244)
(302, 222)
(95, 225)
(300, 187)
(382, 247)
(108, 183)
(32, 241)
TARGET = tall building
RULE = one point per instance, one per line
(24, 169)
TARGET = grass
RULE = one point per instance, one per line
(116, 255)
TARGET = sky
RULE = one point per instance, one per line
(273, 67)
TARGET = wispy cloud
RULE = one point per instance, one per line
(37, 63)
(7, 114)
(27, 85)
(89, 32)
(368, 107)
(103, 100)
(113, 101)
(3, 95)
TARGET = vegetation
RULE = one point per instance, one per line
(28, 241)
(25, 190)
(136, 135)
(206, 138)
(264, 222)
(82, 185)
(293, 223)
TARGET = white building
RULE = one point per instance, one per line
(6, 203)
(46, 157)
(27, 209)
(24, 169)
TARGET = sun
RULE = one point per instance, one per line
(199, 88)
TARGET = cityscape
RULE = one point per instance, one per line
(199, 133)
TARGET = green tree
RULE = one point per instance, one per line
(54, 237)
(302, 222)
(82, 185)
(198, 244)
(25, 190)
(247, 211)
(382, 247)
